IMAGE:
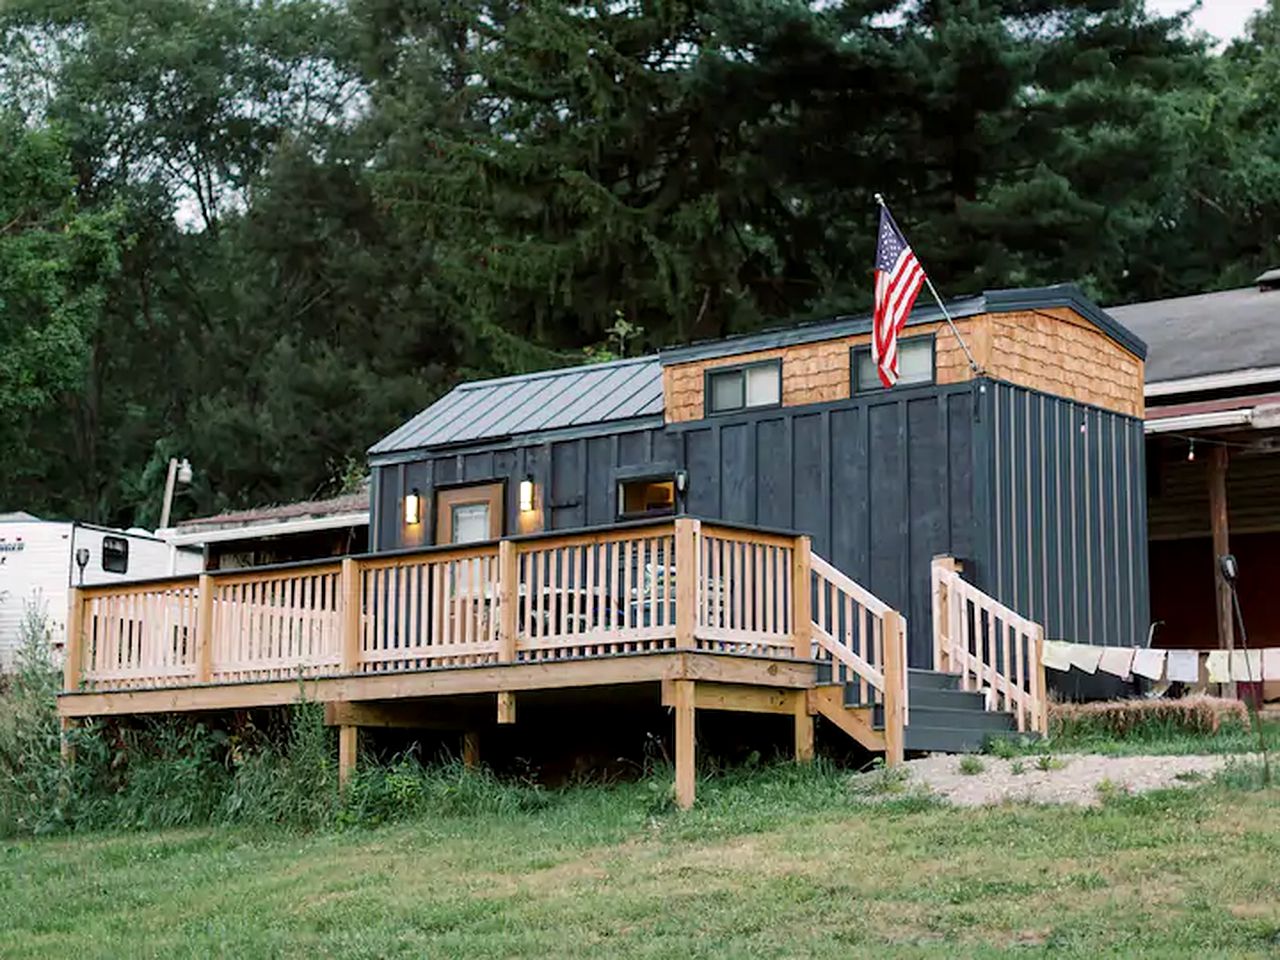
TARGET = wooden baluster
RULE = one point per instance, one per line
(1040, 695)
(1006, 633)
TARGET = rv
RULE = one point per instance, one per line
(40, 560)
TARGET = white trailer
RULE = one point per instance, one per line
(38, 567)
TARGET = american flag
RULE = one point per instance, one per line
(899, 277)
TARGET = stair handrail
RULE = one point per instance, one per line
(989, 645)
(866, 637)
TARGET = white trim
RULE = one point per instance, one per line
(1213, 381)
(264, 528)
(1200, 421)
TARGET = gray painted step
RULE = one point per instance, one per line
(949, 719)
(932, 680)
(941, 740)
(951, 699)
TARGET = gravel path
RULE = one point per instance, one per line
(1076, 781)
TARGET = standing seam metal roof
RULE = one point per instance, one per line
(548, 400)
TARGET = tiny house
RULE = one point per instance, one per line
(38, 567)
(1029, 470)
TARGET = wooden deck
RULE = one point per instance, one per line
(717, 617)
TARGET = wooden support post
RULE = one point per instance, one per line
(350, 615)
(73, 665)
(687, 576)
(801, 614)
(508, 604)
(1041, 686)
(895, 678)
(204, 629)
(1221, 546)
(506, 707)
(471, 749)
(804, 727)
(942, 615)
(348, 749)
(66, 745)
(686, 745)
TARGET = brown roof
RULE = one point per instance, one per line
(333, 506)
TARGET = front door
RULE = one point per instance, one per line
(468, 514)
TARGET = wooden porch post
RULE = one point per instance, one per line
(894, 678)
(204, 629)
(73, 664)
(686, 583)
(801, 614)
(348, 749)
(508, 621)
(1221, 546)
(804, 727)
(349, 619)
(471, 749)
(942, 618)
(686, 746)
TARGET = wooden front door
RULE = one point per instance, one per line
(468, 514)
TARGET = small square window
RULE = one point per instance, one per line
(746, 387)
(915, 365)
(115, 554)
(651, 497)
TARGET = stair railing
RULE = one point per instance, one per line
(865, 642)
(992, 648)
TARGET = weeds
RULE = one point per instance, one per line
(1017, 768)
(971, 765)
(1047, 761)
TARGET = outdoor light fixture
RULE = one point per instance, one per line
(413, 507)
(526, 494)
(682, 480)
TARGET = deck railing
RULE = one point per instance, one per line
(993, 648)
(635, 588)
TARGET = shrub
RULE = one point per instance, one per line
(971, 765)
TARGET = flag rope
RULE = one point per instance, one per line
(973, 364)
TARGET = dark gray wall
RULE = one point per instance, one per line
(1046, 517)
(1069, 538)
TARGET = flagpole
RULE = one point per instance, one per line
(973, 364)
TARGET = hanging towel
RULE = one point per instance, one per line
(1116, 661)
(1219, 665)
(1149, 663)
(1271, 664)
(1085, 657)
(1057, 655)
(1183, 666)
(1246, 665)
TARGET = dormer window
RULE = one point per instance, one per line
(729, 389)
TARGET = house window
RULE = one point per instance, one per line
(915, 365)
(742, 388)
(115, 554)
(650, 497)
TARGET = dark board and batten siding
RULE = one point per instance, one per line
(1070, 528)
(1048, 518)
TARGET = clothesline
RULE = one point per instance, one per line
(1174, 666)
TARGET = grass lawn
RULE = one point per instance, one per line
(780, 863)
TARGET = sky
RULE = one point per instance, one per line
(1225, 19)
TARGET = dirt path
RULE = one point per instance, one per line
(1078, 779)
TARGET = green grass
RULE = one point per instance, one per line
(1150, 741)
(775, 863)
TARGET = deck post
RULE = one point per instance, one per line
(687, 576)
(1041, 719)
(894, 683)
(73, 664)
(804, 726)
(348, 749)
(801, 613)
(66, 746)
(506, 707)
(942, 619)
(349, 617)
(508, 620)
(686, 744)
(204, 629)
(471, 749)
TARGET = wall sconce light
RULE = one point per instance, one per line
(682, 481)
(526, 494)
(413, 507)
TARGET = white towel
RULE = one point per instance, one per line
(1057, 655)
(1219, 665)
(1246, 665)
(1116, 661)
(1085, 657)
(1271, 664)
(1183, 666)
(1149, 663)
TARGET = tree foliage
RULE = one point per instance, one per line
(260, 234)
